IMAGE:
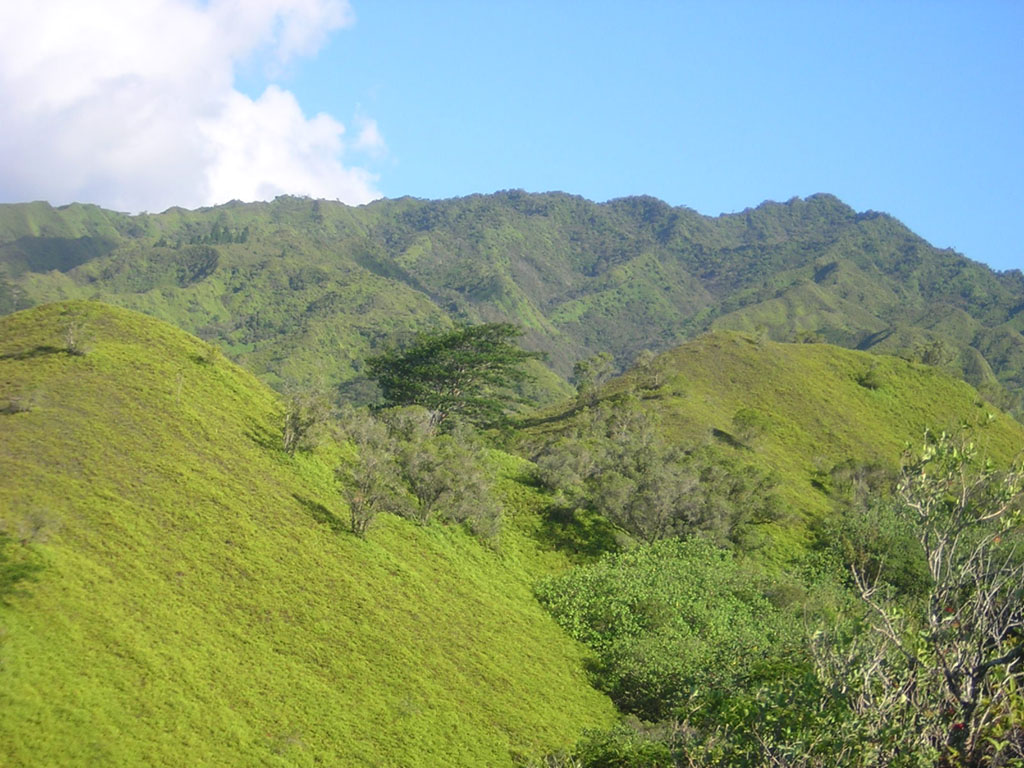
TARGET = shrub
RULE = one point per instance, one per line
(666, 620)
(305, 412)
(939, 678)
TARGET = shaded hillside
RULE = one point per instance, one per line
(299, 288)
(802, 416)
(199, 602)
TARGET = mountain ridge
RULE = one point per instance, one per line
(298, 289)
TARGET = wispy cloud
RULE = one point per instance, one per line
(134, 105)
(369, 138)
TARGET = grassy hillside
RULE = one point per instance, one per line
(301, 289)
(796, 412)
(196, 604)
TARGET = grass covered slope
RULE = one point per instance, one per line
(194, 608)
(798, 412)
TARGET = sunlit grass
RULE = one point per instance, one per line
(194, 611)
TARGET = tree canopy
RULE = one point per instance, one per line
(470, 371)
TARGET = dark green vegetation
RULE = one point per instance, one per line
(855, 612)
(469, 373)
(665, 619)
(302, 290)
(408, 467)
(201, 601)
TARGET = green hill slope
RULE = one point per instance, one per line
(302, 289)
(796, 412)
(194, 609)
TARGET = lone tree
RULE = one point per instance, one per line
(470, 372)
(305, 412)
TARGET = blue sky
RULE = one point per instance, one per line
(912, 108)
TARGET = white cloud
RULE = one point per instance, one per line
(268, 147)
(369, 139)
(132, 104)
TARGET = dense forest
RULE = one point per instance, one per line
(510, 480)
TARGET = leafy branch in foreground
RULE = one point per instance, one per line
(470, 372)
(944, 679)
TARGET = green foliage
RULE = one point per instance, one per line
(589, 374)
(616, 465)
(469, 373)
(937, 678)
(930, 676)
(406, 467)
(370, 481)
(870, 379)
(934, 352)
(750, 423)
(616, 461)
(667, 620)
(827, 441)
(446, 474)
(894, 671)
(71, 337)
(627, 746)
(306, 412)
(647, 370)
(867, 534)
(878, 543)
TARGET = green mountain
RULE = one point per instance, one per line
(303, 290)
(799, 419)
(198, 602)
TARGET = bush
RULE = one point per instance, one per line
(405, 466)
(666, 620)
(306, 411)
(370, 482)
(617, 462)
(444, 472)
(939, 678)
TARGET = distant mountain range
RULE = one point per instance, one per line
(303, 290)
